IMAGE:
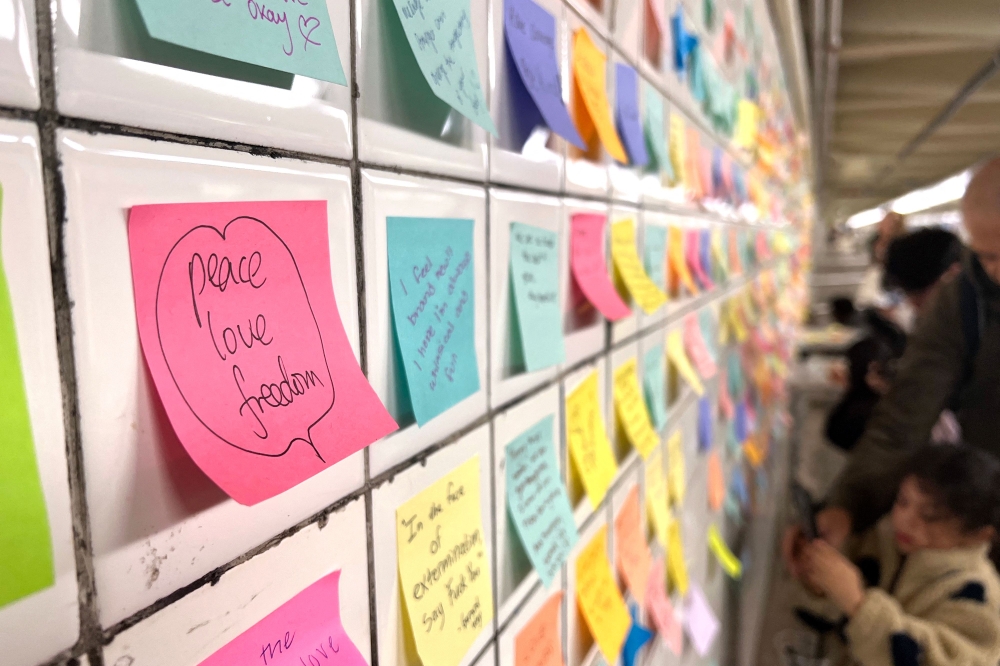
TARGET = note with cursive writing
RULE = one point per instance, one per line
(599, 599)
(537, 499)
(304, 631)
(534, 276)
(630, 407)
(593, 112)
(444, 566)
(432, 289)
(627, 116)
(293, 36)
(440, 34)
(531, 43)
(539, 643)
(590, 268)
(630, 269)
(587, 439)
(240, 330)
(631, 549)
(25, 546)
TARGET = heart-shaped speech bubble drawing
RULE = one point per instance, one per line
(240, 337)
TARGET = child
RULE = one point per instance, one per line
(924, 591)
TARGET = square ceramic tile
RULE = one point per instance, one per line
(386, 195)
(515, 575)
(597, 13)
(626, 27)
(583, 326)
(202, 622)
(47, 621)
(155, 517)
(523, 155)
(18, 55)
(401, 123)
(627, 326)
(582, 508)
(508, 377)
(108, 68)
(395, 647)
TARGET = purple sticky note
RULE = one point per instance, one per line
(740, 424)
(629, 121)
(700, 622)
(531, 38)
(704, 424)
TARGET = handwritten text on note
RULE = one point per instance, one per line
(534, 276)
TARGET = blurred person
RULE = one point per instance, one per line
(870, 293)
(919, 261)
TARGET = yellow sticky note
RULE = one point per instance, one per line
(657, 497)
(678, 148)
(444, 568)
(599, 598)
(677, 570)
(718, 253)
(736, 321)
(677, 258)
(589, 446)
(729, 562)
(747, 115)
(626, 258)
(631, 410)
(589, 72)
(675, 468)
(677, 356)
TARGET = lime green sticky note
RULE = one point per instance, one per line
(440, 35)
(25, 548)
(291, 36)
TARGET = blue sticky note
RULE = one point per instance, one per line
(627, 114)
(537, 499)
(708, 332)
(432, 291)
(656, 138)
(440, 36)
(534, 275)
(654, 385)
(531, 39)
(740, 422)
(637, 637)
(739, 487)
(704, 424)
(654, 254)
(684, 42)
(293, 37)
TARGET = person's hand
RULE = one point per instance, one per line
(832, 573)
(834, 525)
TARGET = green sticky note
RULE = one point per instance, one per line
(292, 36)
(708, 332)
(537, 499)
(432, 292)
(656, 138)
(440, 35)
(534, 276)
(654, 258)
(654, 385)
(25, 547)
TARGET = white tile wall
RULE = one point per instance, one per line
(18, 55)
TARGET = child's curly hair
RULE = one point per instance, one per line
(964, 481)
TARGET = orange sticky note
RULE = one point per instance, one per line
(676, 258)
(716, 482)
(632, 551)
(600, 601)
(589, 72)
(754, 454)
(631, 409)
(539, 642)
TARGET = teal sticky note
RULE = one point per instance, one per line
(656, 137)
(654, 385)
(432, 291)
(290, 36)
(706, 320)
(440, 35)
(654, 257)
(534, 276)
(537, 499)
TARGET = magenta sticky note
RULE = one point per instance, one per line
(241, 333)
(306, 631)
(531, 37)
(590, 267)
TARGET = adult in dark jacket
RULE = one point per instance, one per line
(935, 372)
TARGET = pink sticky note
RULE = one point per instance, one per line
(241, 333)
(590, 267)
(305, 631)
(692, 251)
(662, 611)
(696, 348)
(700, 622)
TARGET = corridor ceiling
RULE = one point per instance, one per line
(900, 64)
